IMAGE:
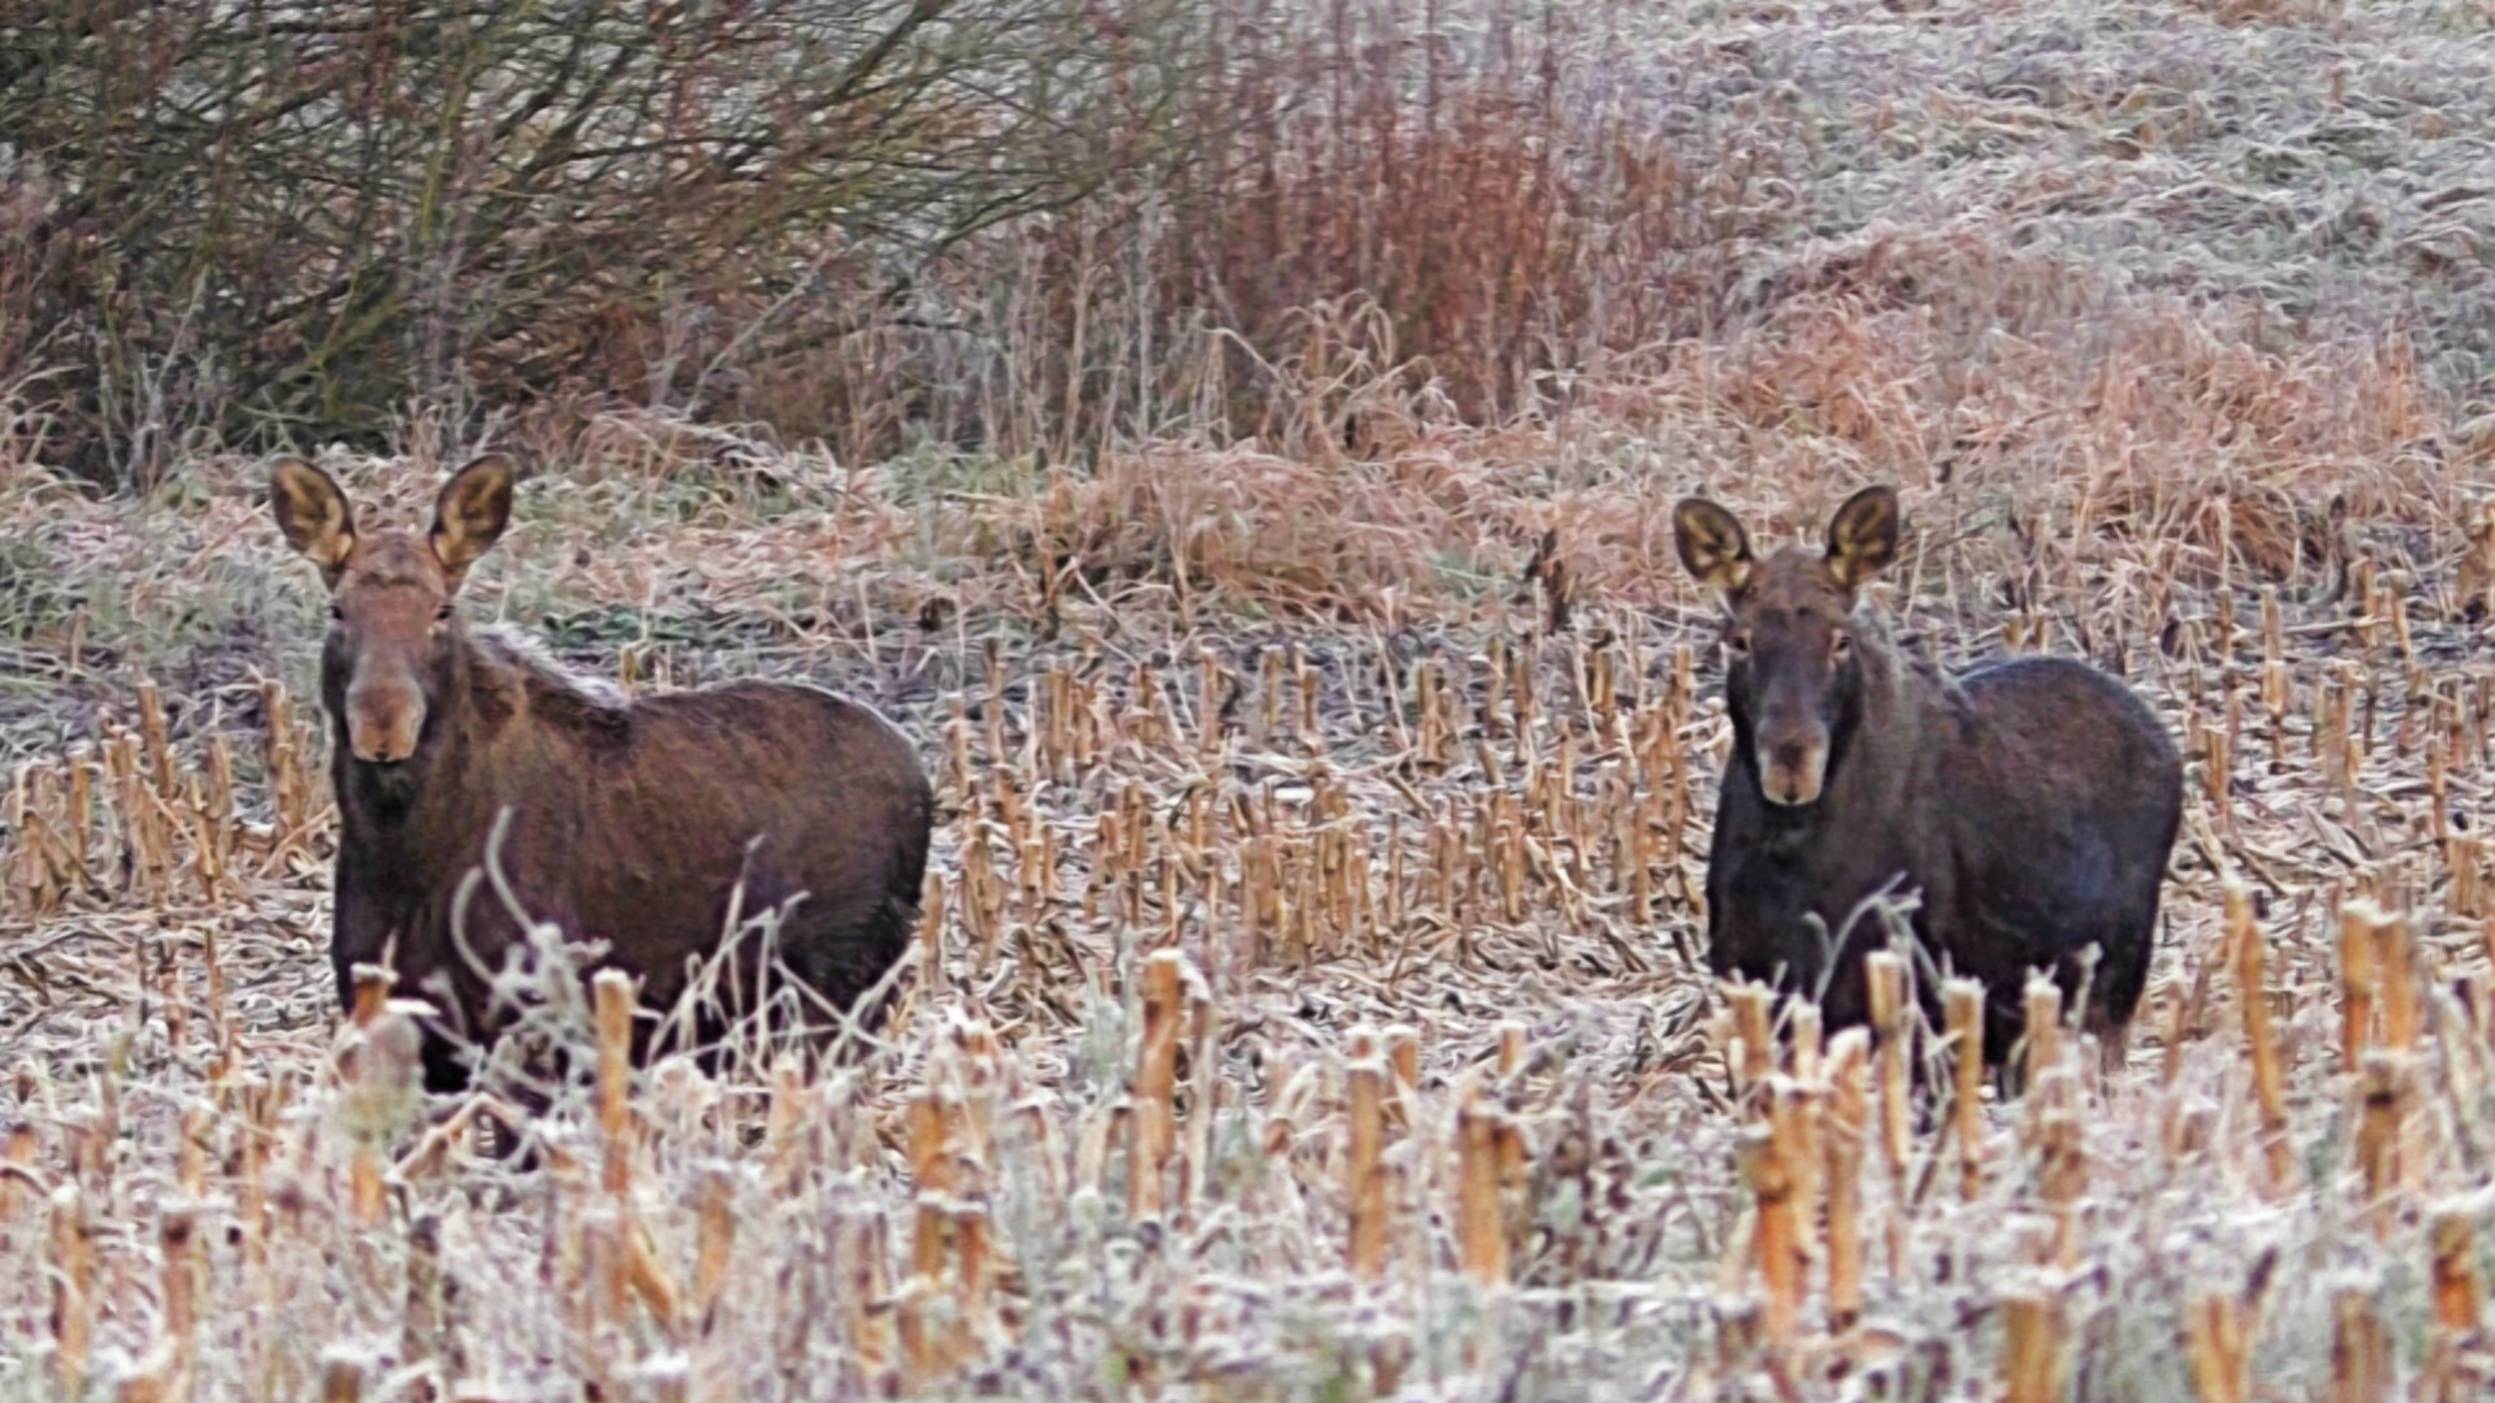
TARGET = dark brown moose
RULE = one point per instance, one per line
(632, 822)
(2029, 805)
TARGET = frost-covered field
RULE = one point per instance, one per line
(1311, 1007)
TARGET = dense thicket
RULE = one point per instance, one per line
(1016, 224)
(298, 217)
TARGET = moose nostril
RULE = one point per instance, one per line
(384, 745)
(1789, 771)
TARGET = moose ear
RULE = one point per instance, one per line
(1713, 545)
(471, 513)
(313, 515)
(1862, 537)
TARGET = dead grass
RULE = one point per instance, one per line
(1349, 857)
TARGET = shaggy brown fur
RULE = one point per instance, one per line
(2030, 804)
(631, 822)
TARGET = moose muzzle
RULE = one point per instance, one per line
(385, 715)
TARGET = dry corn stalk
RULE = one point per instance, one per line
(611, 992)
(177, 1237)
(2252, 985)
(871, 1327)
(1843, 1140)
(1511, 1047)
(1753, 1033)
(2043, 1000)
(2459, 1287)
(1807, 1039)
(283, 758)
(372, 990)
(2360, 978)
(1403, 1053)
(150, 1382)
(2361, 1368)
(787, 1125)
(652, 1284)
(2032, 1360)
(1962, 1000)
(17, 1169)
(1365, 1081)
(1795, 1110)
(976, 1259)
(383, 1070)
(2220, 1337)
(921, 1354)
(1777, 1241)
(73, 1290)
(2403, 1019)
(2464, 858)
(1885, 972)
(1481, 1225)
(1156, 1081)
(342, 1377)
(930, 1138)
(715, 1240)
(2064, 1173)
(2383, 1098)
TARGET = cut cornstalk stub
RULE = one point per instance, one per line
(1963, 1001)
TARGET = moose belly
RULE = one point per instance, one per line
(664, 909)
(778, 904)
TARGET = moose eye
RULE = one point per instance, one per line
(337, 613)
(442, 615)
(1737, 641)
(1841, 647)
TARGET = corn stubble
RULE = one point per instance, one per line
(1320, 1001)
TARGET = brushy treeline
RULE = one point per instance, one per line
(1018, 225)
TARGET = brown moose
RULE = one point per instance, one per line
(2029, 805)
(635, 822)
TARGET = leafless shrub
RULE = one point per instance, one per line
(286, 219)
